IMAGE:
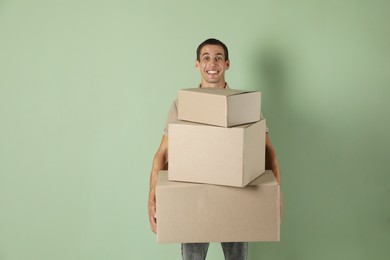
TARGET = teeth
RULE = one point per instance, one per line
(212, 72)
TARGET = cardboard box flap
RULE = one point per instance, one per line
(218, 91)
(181, 122)
(163, 181)
(265, 179)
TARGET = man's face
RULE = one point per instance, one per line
(212, 65)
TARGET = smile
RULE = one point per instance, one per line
(212, 72)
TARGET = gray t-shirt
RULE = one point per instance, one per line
(172, 116)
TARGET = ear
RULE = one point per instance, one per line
(227, 63)
(197, 65)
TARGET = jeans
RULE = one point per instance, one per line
(198, 251)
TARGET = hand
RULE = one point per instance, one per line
(152, 213)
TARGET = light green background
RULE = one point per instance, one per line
(84, 91)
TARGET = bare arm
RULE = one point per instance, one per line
(159, 163)
(271, 163)
(271, 160)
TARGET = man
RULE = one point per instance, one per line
(212, 60)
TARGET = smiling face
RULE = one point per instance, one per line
(212, 65)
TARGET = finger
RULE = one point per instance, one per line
(153, 220)
(152, 224)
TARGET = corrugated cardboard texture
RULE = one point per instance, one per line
(216, 155)
(189, 212)
(220, 107)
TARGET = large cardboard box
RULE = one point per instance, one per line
(191, 212)
(216, 155)
(221, 107)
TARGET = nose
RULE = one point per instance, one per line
(214, 61)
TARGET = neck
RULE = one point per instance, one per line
(213, 85)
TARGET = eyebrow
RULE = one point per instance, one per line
(217, 54)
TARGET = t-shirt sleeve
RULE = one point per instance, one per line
(171, 117)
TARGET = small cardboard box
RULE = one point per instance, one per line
(216, 155)
(191, 212)
(220, 107)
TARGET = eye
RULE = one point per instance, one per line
(219, 58)
(206, 58)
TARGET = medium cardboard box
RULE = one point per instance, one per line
(191, 212)
(216, 155)
(221, 107)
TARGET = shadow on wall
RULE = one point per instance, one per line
(269, 77)
(272, 68)
(271, 74)
(300, 144)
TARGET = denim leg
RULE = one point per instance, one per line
(235, 251)
(194, 251)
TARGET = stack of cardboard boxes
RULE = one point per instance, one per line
(216, 188)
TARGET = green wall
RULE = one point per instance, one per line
(84, 91)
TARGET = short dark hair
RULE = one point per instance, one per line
(212, 41)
